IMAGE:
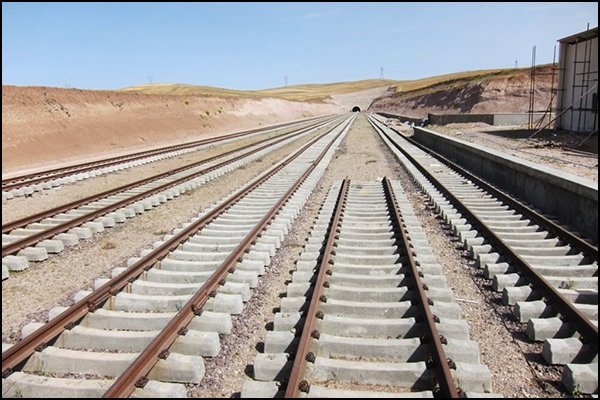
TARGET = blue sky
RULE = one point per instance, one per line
(254, 46)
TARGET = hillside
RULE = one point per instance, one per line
(43, 126)
(499, 90)
(479, 91)
(308, 92)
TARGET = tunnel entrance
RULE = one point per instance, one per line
(356, 109)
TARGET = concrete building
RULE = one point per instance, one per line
(578, 75)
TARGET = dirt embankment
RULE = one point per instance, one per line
(43, 126)
(488, 93)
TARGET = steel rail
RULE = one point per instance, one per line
(18, 354)
(136, 373)
(564, 234)
(14, 247)
(295, 382)
(64, 207)
(566, 308)
(39, 177)
(438, 359)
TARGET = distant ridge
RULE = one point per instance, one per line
(316, 92)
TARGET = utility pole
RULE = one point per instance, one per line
(516, 64)
(532, 90)
(150, 78)
(285, 81)
(381, 73)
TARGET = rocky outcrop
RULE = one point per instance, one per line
(506, 91)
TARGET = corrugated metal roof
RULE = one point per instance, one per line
(578, 37)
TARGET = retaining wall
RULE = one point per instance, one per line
(490, 119)
(572, 199)
(402, 118)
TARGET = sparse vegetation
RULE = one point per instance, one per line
(108, 245)
(568, 284)
(321, 92)
(551, 160)
(576, 392)
(309, 92)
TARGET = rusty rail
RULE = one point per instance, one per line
(39, 177)
(135, 374)
(295, 381)
(21, 351)
(438, 359)
(564, 234)
(567, 309)
(14, 247)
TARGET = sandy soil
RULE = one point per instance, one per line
(362, 99)
(48, 126)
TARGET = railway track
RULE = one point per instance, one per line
(355, 320)
(50, 231)
(28, 184)
(367, 312)
(145, 331)
(547, 273)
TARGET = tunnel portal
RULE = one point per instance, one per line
(356, 109)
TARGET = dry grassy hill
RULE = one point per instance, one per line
(311, 92)
(308, 92)
(492, 90)
(423, 83)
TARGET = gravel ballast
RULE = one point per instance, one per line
(27, 296)
(362, 156)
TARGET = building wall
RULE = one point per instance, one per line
(576, 120)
